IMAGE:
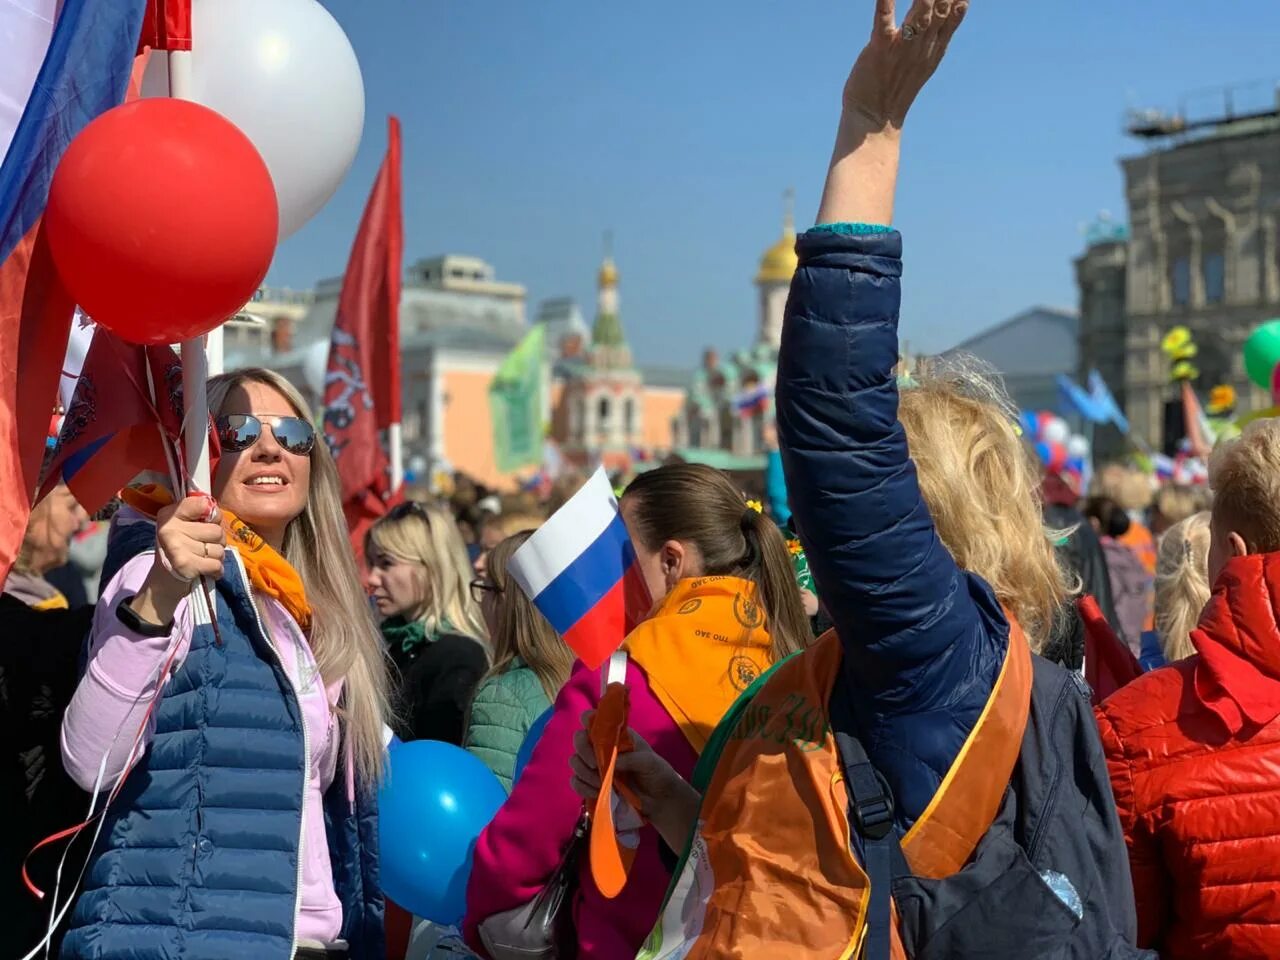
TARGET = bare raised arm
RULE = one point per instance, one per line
(885, 80)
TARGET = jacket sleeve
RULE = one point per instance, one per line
(109, 707)
(1151, 887)
(439, 705)
(522, 846)
(496, 728)
(920, 636)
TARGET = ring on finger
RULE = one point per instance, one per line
(909, 32)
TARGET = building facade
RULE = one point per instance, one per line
(1202, 251)
(1029, 351)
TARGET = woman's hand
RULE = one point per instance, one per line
(886, 79)
(189, 545)
(666, 800)
(898, 61)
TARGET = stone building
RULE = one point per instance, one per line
(1203, 251)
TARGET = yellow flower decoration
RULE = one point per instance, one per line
(1222, 400)
(794, 548)
(1175, 340)
(1183, 370)
(755, 505)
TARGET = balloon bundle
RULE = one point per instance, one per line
(164, 214)
(1057, 447)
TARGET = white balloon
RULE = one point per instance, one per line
(284, 73)
(1077, 447)
(1056, 431)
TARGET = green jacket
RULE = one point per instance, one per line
(502, 712)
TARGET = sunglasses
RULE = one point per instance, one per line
(240, 431)
(408, 508)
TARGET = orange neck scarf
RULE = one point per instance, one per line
(269, 572)
(705, 643)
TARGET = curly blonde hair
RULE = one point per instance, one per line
(982, 486)
(1182, 584)
(1245, 476)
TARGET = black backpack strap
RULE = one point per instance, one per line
(871, 817)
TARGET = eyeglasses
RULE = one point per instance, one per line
(240, 431)
(480, 587)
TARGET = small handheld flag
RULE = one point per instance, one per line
(580, 571)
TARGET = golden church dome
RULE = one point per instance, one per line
(779, 262)
(608, 276)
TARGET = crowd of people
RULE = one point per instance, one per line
(858, 724)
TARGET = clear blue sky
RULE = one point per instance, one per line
(531, 126)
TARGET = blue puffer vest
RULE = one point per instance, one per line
(199, 857)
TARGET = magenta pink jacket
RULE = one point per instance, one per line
(521, 848)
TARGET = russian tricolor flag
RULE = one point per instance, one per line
(580, 570)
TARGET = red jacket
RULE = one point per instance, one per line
(1194, 755)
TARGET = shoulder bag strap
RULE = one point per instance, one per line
(871, 819)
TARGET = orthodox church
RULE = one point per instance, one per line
(730, 403)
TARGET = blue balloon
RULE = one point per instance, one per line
(530, 741)
(434, 803)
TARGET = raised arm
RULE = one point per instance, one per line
(893, 590)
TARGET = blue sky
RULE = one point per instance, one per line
(532, 126)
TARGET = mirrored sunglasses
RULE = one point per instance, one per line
(240, 431)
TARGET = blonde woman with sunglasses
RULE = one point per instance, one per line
(247, 824)
(418, 577)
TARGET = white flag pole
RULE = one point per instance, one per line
(396, 449)
(195, 364)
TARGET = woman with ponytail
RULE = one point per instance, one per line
(726, 607)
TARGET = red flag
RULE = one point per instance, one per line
(166, 25)
(112, 431)
(362, 385)
(84, 73)
(1108, 662)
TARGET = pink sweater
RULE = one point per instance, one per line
(520, 849)
(121, 670)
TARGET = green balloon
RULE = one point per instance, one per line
(1262, 353)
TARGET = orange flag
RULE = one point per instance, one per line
(611, 858)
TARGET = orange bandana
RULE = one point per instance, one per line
(704, 645)
(269, 573)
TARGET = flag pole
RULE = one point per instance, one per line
(396, 450)
(195, 363)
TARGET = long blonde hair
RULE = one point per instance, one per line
(343, 638)
(428, 539)
(981, 486)
(521, 630)
(1182, 584)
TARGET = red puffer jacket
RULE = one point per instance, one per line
(1194, 755)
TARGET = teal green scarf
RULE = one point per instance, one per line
(409, 634)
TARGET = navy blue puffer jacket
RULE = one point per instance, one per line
(923, 640)
(199, 856)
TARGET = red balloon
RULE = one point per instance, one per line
(162, 220)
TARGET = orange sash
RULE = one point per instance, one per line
(269, 573)
(770, 869)
(705, 643)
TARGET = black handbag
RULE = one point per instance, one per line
(543, 928)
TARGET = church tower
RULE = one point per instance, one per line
(773, 280)
(605, 395)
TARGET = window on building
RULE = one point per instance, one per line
(1180, 281)
(603, 411)
(1215, 278)
(629, 415)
